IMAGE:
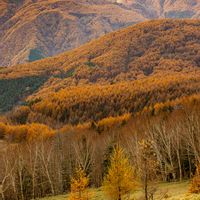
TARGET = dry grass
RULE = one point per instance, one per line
(168, 191)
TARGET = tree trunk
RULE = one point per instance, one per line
(146, 182)
(2, 195)
(179, 165)
(189, 162)
(119, 197)
(50, 181)
(21, 185)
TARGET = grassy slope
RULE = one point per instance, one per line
(174, 191)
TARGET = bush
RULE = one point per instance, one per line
(195, 184)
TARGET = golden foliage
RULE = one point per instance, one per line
(95, 102)
(119, 181)
(29, 132)
(79, 186)
(111, 122)
(137, 51)
(165, 50)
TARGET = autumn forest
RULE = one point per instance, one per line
(118, 114)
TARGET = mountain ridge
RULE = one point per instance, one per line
(55, 26)
(153, 50)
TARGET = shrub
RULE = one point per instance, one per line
(195, 184)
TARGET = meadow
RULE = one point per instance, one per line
(169, 191)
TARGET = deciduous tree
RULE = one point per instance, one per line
(79, 185)
(119, 181)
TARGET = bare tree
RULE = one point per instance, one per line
(84, 152)
(45, 155)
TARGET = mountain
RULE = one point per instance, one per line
(34, 29)
(124, 71)
(164, 8)
(31, 30)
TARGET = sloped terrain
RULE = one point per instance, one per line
(164, 8)
(31, 30)
(149, 48)
(127, 70)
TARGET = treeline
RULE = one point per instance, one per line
(95, 102)
(151, 49)
(25, 133)
(163, 147)
(137, 51)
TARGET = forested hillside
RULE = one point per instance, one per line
(125, 105)
(50, 27)
(38, 161)
(136, 67)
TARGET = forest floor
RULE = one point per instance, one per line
(169, 191)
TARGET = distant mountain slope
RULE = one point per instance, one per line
(150, 51)
(149, 48)
(31, 30)
(164, 8)
(35, 29)
(84, 103)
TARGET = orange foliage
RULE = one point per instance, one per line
(195, 184)
(95, 102)
(155, 49)
(29, 132)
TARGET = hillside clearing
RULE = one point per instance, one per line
(170, 191)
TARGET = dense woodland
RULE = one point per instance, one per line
(39, 161)
(137, 88)
(92, 103)
(151, 49)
